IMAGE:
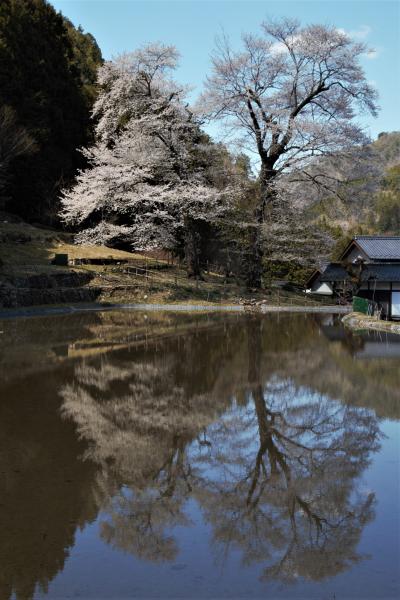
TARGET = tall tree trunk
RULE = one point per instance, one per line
(256, 251)
(192, 248)
(265, 417)
(254, 262)
(256, 385)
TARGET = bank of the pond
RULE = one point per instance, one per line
(89, 307)
(359, 322)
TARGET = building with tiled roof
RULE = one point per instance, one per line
(369, 267)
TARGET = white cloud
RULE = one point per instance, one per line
(357, 34)
(372, 53)
(360, 34)
(279, 47)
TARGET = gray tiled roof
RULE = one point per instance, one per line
(378, 272)
(380, 247)
(334, 272)
(388, 272)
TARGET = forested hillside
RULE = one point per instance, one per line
(48, 71)
(366, 195)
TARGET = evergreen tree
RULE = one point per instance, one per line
(47, 75)
(14, 141)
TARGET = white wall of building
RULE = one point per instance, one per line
(320, 288)
(354, 254)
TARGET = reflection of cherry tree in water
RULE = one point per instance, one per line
(289, 500)
(276, 475)
(139, 418)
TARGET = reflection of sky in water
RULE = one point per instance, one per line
(199, 571)
(233, 457)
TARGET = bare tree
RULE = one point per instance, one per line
(293, 95)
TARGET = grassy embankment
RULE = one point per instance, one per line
(28, 250)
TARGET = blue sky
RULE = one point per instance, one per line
(191, 25)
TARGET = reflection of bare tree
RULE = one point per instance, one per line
(289, 499)
(276, 474)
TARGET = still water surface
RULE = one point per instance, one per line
(180, 456)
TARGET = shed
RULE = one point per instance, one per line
(323, 280)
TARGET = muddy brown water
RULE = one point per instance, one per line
(198, 456)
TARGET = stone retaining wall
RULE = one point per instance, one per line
(43, 288)
(358, 321)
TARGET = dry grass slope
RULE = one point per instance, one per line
(28, 250)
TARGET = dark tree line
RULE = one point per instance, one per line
(47, 78)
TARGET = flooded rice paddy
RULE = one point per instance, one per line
(198, 456)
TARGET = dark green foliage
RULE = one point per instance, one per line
(86, 59)
(292, 271)
(360, 305)
(222, 245)
(14, 141)
(47, 75)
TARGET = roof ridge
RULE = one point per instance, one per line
(380, 237)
